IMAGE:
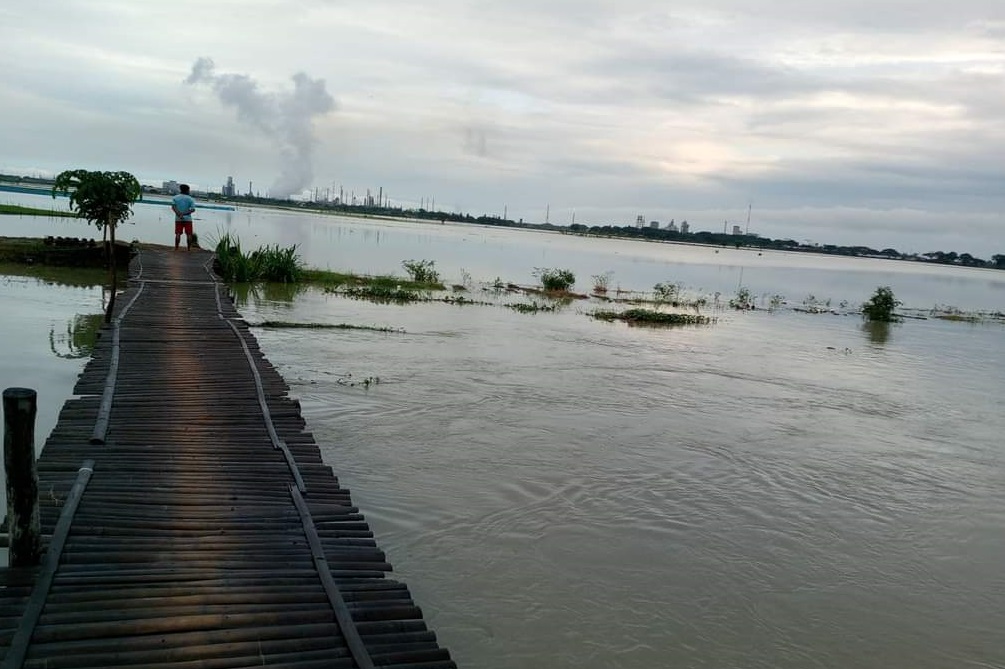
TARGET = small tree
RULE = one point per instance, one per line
(881, 305)
(104, 199)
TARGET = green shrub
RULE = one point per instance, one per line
(881, 305)
(422, 271)
(555, 279)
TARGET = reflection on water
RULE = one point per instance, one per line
(57, 276)
(79, 338)
(276, 293)
(878, 332)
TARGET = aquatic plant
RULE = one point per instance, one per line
(880, 306)
(556, 280)
(601, 282)
(348, 380)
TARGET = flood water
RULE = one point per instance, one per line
(778, 489)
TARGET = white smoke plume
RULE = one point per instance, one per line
(287, 117)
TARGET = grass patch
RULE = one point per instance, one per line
(18, 210)
(268, 263)
(650, 317)
(380, 293)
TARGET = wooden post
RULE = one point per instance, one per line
(19, 409)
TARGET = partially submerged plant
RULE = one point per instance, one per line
(880, 306)
(651, 317)
(743, 300)
(601, 282)
(532, 308)
(556, 280)
(666, 292)
(422, 271)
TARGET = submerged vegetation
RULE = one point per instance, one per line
(652, 317)
(288, 325)
(378, 292)
(278, 274)
(531, 308)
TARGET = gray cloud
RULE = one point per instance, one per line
(286, 117)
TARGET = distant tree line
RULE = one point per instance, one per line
(626, 231)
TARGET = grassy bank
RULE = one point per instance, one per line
(59, 252)
(18, 210)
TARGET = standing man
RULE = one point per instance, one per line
(183, 206)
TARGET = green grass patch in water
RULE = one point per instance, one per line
(650, 317)
(532, 308)
(326, 326)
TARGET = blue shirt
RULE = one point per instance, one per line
(185, 205)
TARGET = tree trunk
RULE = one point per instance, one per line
(113, 271)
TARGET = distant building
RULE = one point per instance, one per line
(229, 189)
(684, 227)
(672, 226)
(737, 230)
(170, 187)
(655, 225)
(639, 221)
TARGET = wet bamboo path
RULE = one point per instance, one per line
(188, 519)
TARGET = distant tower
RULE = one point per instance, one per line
(639, 221)
(229, 189)
(684, 227)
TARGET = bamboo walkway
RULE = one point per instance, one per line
(188, 519)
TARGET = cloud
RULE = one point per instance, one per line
(286, 117)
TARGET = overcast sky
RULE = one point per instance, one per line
(877, 122)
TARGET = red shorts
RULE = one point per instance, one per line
(183, 226)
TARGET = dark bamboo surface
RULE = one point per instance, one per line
(184, 526)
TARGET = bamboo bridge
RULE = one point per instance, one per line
(187, 518)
